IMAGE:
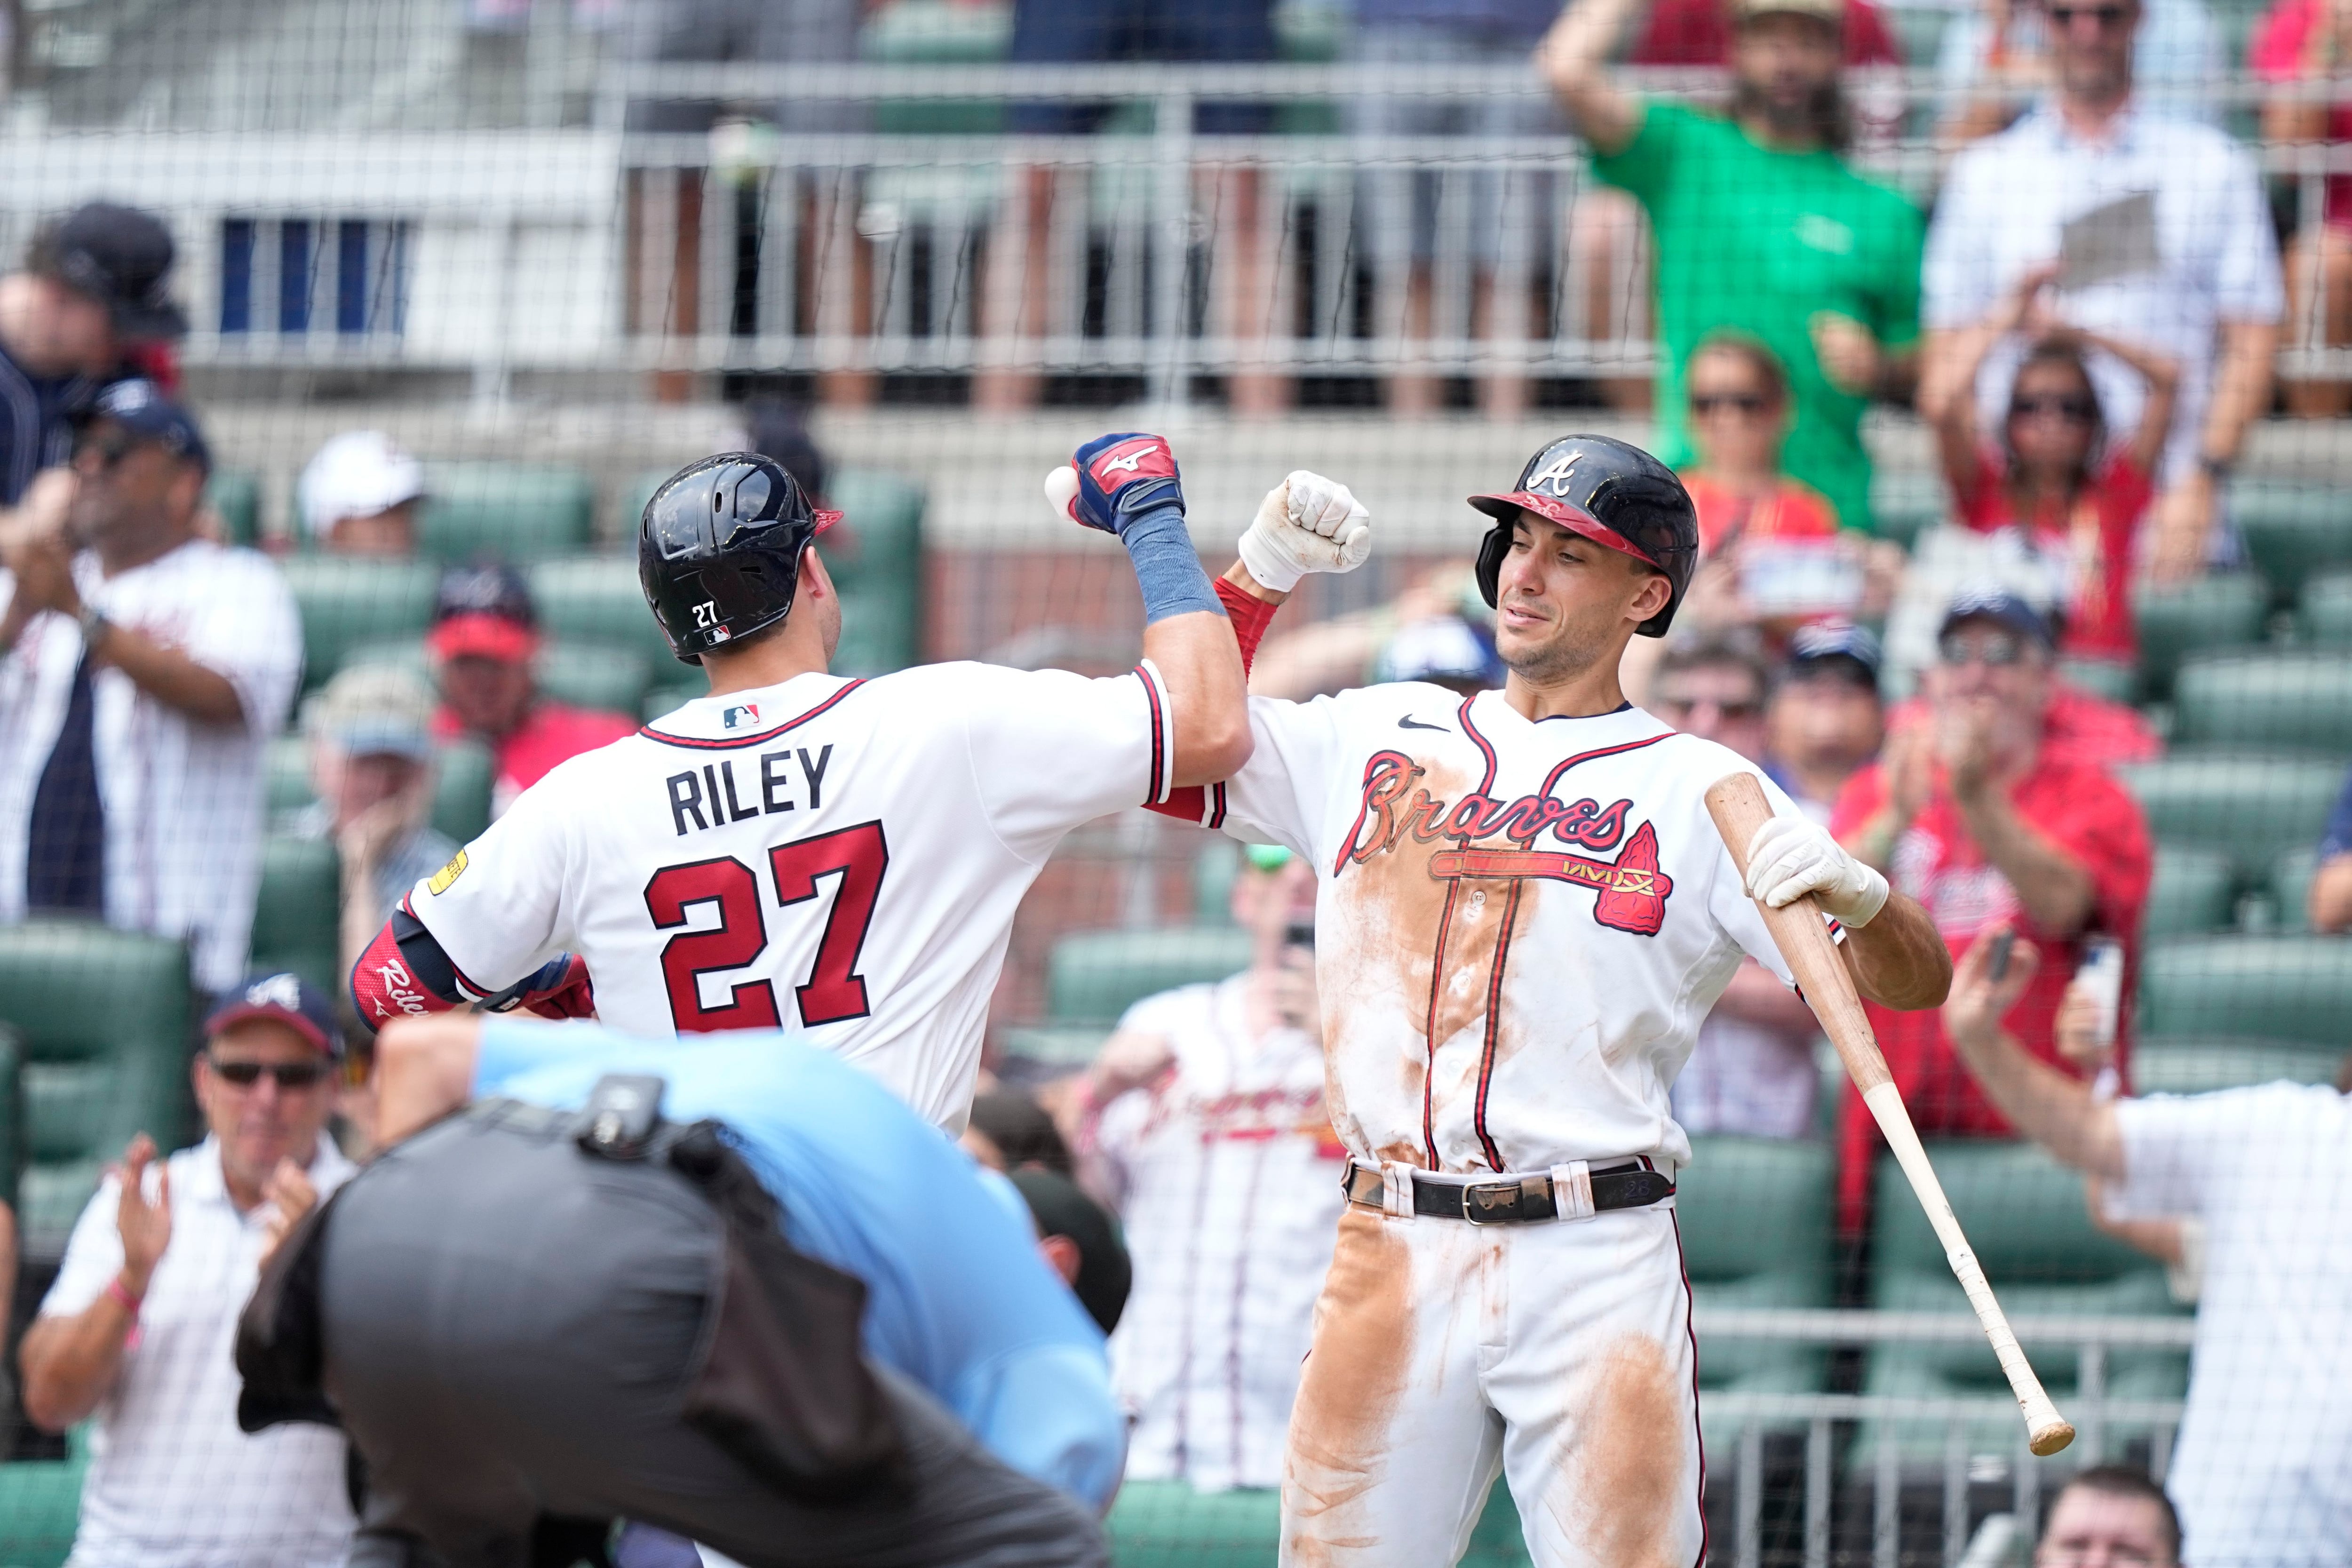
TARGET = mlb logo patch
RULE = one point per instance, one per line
(741, 716)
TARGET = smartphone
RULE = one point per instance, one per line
(1299, 933)
(2001, 946)
(2103, 971)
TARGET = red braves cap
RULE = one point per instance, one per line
(1566, 513)
(484, 634)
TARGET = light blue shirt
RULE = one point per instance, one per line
(956, 1297)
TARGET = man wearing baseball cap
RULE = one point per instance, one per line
(484, 641)
(1762, 229)
(359, 496)
(1971, 814)
(1824, 721)
(136, 1331)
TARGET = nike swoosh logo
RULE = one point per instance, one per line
(1417, 724)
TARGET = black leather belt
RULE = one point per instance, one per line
(1518, 1202)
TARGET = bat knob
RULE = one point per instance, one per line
(2047, 1439)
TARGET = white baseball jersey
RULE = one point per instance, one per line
(1232, 1188)
(1520, 925)
(843, 855)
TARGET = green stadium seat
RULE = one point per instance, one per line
(2111, 678)
(461, 799)
(13, 1146)
(1167, 1524)
(2178, 1064)
(347, 602)
(2323, 612)
(2296, 988)
(596, 599)
(2026, 1219)
(106, 1021)
(1094, 976)
(40, 1506)
(507, 512)
(2292, 531)
(2290, 887)
(1904, 506)
(2250, 806)
(2269, 701)
(586, 675)
(235, 496)
(1756, 1215)
(937, 32)
(2221, 612)
(1062, 1046)
(298, 914)
(2194, 892)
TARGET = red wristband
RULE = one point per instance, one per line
(117, 1292)
(1250, 614)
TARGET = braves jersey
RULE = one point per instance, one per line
(844, 855)
(1232, 1191)
(1520, 923)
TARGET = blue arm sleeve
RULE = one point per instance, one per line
(1048, 1412)
(2337, 840)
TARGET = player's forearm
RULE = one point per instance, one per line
(1898, 960)
(2054, 888)
(2042, 1103)
(173, 678)
(69, 1363)
(424, 1071)
(1200, 662)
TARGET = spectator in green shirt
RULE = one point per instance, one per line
(1762, 227)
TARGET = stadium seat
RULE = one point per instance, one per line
(1094, 976)
(40, 1506)
(2219, 612)
(106, 1021)
(585, 674)
(2275, 987)
(1904, 505)
(2194, 892)
(461, 800)
(596, 599)
(2250, 806)
(235, 496)
(507, 512)
(2299, 701)
(347, 602)
(2028, 1224)
(2111, 678)
(2323, 612)
(2290, 887)
(1167, 1524)
(2292, 531)
(1756, 1221)
(2178, 1064)
(297, 915)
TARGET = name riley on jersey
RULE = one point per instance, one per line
(711, 795)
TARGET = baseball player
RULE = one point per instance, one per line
(1524, 912)
(800, 848)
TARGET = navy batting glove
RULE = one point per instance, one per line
(1122, 477)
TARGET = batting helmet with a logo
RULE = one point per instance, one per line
(1610, 491)
(718, 549)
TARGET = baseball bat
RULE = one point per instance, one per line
(1737, 805)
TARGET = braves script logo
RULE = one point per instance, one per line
(1632, 890)
(1143, 459)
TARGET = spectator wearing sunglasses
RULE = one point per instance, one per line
(2167, 235)
(143, 669)
(1993, 58)
(136, 1332)
(1970, 814)
(2056, 481)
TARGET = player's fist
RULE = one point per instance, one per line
(1307, 523)
(1789, 857)
(1118, 478)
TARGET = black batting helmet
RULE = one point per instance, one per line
(718, 549)
(1612, 492)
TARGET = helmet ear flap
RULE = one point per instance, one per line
(1491, 551)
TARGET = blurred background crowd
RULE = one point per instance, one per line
(2005, 347)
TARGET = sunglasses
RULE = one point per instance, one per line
(1707, 403)
(2064, 16)
(2076, 410)
(289, 1075)
(1997, 652)
(110, 450)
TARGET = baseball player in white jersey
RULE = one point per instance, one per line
(802, 849)
(1211, 1123)
(1524, 912)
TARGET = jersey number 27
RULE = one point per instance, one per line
(835, 990)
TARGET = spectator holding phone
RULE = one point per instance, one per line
(2072, 494)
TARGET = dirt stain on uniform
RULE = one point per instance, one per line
(1348, 1398)
(1619, 1488)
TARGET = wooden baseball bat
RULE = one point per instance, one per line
(1737, 805)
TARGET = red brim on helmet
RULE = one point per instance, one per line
(824, 520)
(1573, 517)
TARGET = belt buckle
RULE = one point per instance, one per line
(1497, 1201)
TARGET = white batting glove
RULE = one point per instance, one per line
(1307, 523)
(1789, 857)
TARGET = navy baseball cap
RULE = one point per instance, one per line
(282, 998)
(2000, 605)
(484, 612)
(139, 406)
(1834, 647)
(119, 257)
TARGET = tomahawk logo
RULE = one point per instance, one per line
(1554, 476)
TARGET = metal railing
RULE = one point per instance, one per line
(1882, 1473)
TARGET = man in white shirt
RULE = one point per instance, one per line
(2262, 1471)
(2199, 280)
(142, 671)
(1212, 1122)
(138, 1329)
